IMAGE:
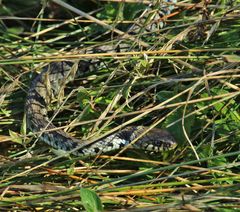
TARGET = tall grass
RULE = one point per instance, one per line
(183, 77)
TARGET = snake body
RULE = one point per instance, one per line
(47, 86)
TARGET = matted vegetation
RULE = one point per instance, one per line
(183, 77)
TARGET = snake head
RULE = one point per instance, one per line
(154, 140)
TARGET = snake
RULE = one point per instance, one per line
(51, 81)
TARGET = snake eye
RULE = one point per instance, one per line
(158, 142)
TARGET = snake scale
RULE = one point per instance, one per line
(49, 83)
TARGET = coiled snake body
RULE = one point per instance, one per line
(48, 84)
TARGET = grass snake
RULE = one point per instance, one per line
(49, 83)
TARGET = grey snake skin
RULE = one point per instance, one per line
(49, 83)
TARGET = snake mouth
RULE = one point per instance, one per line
(173, 145)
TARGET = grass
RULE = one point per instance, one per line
(183, 77)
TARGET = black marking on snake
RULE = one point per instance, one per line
(38, 99)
